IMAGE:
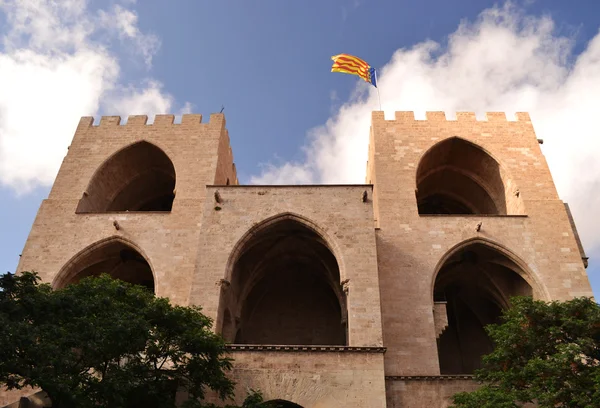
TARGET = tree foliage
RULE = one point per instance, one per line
(104, 342)
(547, 353)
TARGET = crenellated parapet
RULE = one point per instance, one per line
(189, 143)
(187, 120)
(440, 116)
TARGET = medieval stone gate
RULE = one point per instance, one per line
(368, 295)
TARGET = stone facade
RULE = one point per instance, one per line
(62, 236)
(331, 295)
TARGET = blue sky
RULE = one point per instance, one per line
(268, 63)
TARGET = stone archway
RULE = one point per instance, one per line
(285, 289)
(280, 404)
(458, 177)
(140, 177)
(471, 289)
(115, 257)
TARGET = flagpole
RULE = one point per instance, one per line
(378, 95)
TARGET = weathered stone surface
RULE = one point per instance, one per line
(376, 259)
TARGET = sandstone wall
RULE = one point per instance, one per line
(168, 240)
(411, 247)
(337, 213)
(418, 392)
(328, 379)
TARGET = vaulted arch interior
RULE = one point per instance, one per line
(458, 177)
(138, 178)
(285, 289)
(115, 258)
(475, 285)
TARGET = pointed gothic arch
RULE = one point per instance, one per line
(284, 287)
(505, 256)
(116, 256)
(473, 283)
(139, 177)
(456, 176)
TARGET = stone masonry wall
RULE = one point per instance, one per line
(433, 392)
(411, 248)
(388, 255)
(343, 379)
(338, 212)
(226, 172)
(9, 397)
(168, 240)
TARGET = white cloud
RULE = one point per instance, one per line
(133, 101)
(187, 107)
(123, 23)
(503, 61)
(287, 173)
(58, 63)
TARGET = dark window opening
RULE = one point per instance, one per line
(114, 258)
(477, 284)
(280, 404)
(457, 177)
(138, 178)
(442, 204)
(285, 290)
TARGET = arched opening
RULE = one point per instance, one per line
(140, 177)
(474, 285)
(458, 177)
(113, 257)
(285, 289)
(280, 404)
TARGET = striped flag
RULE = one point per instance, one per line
(349, 64)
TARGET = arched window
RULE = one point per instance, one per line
(458, 177)
(113, 257)
(475, 285)
(285, 289)
(139, 177)
(280, 404)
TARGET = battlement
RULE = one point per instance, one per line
(111, 151)
(440, 116)
(187, 120)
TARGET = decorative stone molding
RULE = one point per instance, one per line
(258, 347)
(345, 286)
(428, 377)
(223, 283)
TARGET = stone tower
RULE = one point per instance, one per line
(467, 215)
(371, 295)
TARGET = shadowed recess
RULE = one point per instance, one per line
(285, 290)
(139, 177)
(477, 283)
(115, 258)
(280, 404)
(458, 177)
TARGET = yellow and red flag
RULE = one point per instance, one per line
(349, 64)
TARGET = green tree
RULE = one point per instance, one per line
(104, 342)
(547, 353)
